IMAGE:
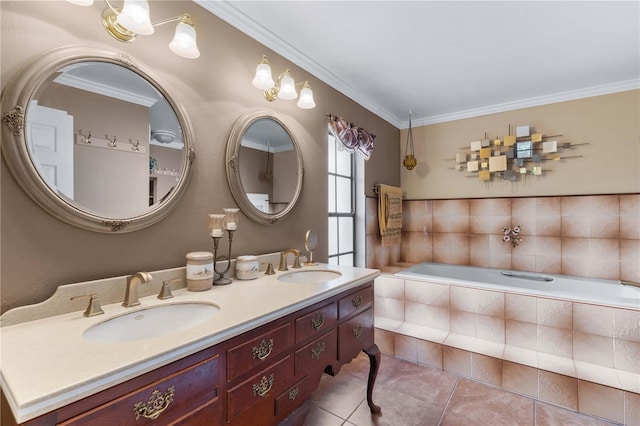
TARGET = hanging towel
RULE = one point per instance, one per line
(390, 214)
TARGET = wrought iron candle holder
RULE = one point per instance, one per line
(218, 223)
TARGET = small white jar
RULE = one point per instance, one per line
(247, 267)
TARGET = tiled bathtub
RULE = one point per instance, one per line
(576, 354)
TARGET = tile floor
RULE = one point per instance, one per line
(412, 394)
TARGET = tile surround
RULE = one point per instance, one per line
(596, 236)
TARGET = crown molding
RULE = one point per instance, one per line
(105, 90)
(570, 95)
(229, 13)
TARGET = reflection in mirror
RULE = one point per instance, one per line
(95, 140)
(264, 167)
(120, 170)
(266, 147)
(310, 242)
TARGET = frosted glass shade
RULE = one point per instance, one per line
(263, 79)
(287, 87)
(135, 17)
(184, 41)
(306, 98)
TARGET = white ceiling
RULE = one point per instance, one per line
(446, 60)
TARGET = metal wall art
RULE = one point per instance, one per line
(514, 155)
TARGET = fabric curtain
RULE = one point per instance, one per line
(352, 137)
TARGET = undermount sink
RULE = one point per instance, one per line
(309, 276)
(151, 322)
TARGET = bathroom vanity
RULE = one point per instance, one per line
(255, 362)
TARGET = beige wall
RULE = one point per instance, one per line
(610, 163)
(40, 252)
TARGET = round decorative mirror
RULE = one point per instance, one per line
(95, 140)
(264, 167)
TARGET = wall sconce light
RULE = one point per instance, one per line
(284, 89)
(133, 19)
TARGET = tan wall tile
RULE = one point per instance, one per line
(486, 369)
(558, 389)
(456, 361)
(626, 324)
(520, 378)
(555, 341)
(427, 293)
(593, 349)
(631, 408)
(429, 353)
(626, 355)
(384, 340)
(555, 313)
(520, 308)
(593, 319)
(630, 216)
(601, 401)
(521, 334)
(406, 347)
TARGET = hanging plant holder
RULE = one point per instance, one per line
(410, 160)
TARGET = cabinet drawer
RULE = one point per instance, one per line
(355, 335)
(293, 397)
(256, 351)
(170, 399)
(260, 389)
(316, 322)
(358, 301)
(314, 357)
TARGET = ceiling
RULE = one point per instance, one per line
(446, 60)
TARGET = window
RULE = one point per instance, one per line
(342, 210)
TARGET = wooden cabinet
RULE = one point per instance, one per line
(257, 378)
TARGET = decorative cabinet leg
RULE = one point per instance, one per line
(374, 363)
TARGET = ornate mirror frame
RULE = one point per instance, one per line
(233, 168)
(15, 100)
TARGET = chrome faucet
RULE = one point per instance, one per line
(131, 294)
(283, 259)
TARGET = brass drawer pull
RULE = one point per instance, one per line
(357, 331)
(318, 322)
(356, 301)
(262, 389)
(155, 405)
(315, 352)
(264, 350)
(294, 393)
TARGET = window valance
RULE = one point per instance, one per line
(352, 137)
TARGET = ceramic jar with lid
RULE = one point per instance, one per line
(199, 270)
(247, 267)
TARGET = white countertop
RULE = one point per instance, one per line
(46, 363)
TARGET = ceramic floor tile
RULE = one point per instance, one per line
(477, 404)
(421, 382)
(340, 395)
(320, 417)
(397, 409)
(550, 415)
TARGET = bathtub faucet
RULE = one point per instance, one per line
(633, 283)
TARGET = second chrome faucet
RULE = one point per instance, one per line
(131, 293)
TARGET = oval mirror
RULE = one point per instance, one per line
(95, 140)
(264, 167)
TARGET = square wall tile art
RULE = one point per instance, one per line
(514, 155)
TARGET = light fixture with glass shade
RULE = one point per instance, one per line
(285, 88)
(124, 25)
